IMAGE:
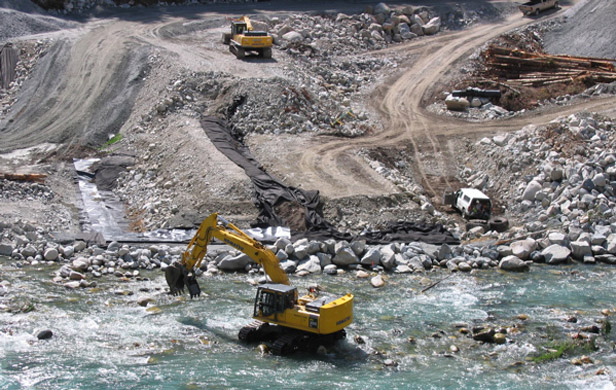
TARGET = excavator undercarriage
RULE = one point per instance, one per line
(284, 341)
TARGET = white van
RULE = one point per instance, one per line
(472, 203)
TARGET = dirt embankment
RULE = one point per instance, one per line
(150, 77)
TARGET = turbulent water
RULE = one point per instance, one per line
(103, 340)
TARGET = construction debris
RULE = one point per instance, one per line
(539, 69)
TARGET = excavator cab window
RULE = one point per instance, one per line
(270, 302)
(239, 28)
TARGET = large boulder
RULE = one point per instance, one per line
(556, 254)
(513, 263)
(345, 257)
(51, 254)
(372, 257)
(523, 248)
(29, 251)
(234, 263)
(6, 249)
(388, 257)
(580, 249)
(293, 36)
(312, 265)
(531, 190)
(80, 264)
(432, 26)
(454, 103)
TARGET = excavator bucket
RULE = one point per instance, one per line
(177, 276)
(174, 274)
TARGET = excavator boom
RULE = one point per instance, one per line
(180, 274)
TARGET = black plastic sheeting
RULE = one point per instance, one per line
(270, 193)
(8, 61)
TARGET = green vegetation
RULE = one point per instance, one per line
(556, 350)
(116, 138)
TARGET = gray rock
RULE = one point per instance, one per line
(282, 243)
(80, 264)
(531, 190)
(344, 257)
(6, 249)
(358, 247)
(293, 36)
(523, 248)
(580, 249)
(51, 254)
(237, 263)
(74, 275)
(556, 254)
(28, 251)
(72, 285)
(600, 180)
(433, 26)
(500, 139)
(324, 258)
(454, 103)
(403, 269)
(67, 251)
(557, 238)
(377, 281)
(330, 269)
(464, 267)
(282, 255)
(301, 251)
(444, 252)
(44, 334)
(388, 257)
(610, 244)
(513, 263)
(288, 266)
(312, 265)
(372, 257)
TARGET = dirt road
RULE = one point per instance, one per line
(430, 136)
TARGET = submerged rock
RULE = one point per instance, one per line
(44, 334)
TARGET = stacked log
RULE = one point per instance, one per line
(539, 69)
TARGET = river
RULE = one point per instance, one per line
(102, 339)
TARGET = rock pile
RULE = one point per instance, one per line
(562, 185)
(338, 34)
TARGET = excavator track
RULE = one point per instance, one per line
(255, 331)
(287, 344)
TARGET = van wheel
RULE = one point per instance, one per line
(473, 223)
(499, 224)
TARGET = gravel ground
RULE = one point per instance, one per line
(587, 30)
(22, 17)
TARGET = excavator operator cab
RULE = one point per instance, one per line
(238, 28)
(274, 298)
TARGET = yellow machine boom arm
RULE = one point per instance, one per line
(217, 227)
(214, 226)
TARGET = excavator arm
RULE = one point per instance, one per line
(182, 273)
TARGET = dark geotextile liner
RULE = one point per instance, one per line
(271, 195)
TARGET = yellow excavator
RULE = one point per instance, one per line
(289, 322)
(243, 39)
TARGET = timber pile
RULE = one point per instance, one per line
(31, 177)
(538, 69)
